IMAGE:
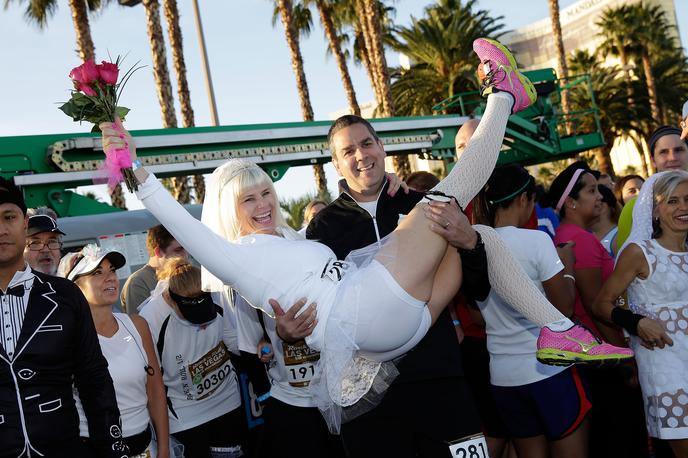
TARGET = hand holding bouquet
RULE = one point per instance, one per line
(94, 99)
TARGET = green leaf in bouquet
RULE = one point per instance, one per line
(121, 112)
(81, 100)
(71, 110)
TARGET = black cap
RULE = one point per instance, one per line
(42, 223)
(11, 194)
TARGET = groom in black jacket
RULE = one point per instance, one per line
(429, 404)
(48, 344)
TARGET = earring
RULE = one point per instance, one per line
(574, 206)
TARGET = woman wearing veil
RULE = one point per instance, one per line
(653, 267)
(379, 303)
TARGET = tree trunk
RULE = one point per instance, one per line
(326, 19)
(562, 68)
(87, 51)
(117, 197)
(164, 86)
(162, 76)
(285, 9)
(651, 87)
(372, 17)
(199, 188)
(641, 155)
(320, 180)
(292, 37)
(377, 54)
(367, 48)
(174, 34)
(604, 161)
(84, 42)
(365, 58)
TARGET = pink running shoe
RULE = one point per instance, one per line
(577, 345)
(498, 72)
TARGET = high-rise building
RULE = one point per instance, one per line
(534, 43)
(534, 47)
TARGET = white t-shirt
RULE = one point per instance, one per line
(511, 337)
(293, 366)
(201, 381)
(126, 362)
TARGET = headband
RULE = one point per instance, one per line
(569, 187)
(515, 193)
(659, 133)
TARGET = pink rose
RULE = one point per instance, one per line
(85, 73)
(86, 89)
(108, 73)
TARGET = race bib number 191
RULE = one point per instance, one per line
(470, 447)
(299, 361)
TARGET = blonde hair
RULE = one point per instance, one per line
(183, 277)
(230, 181)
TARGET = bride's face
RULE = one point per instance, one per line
(256, 210)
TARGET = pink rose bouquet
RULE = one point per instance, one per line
(97, 89)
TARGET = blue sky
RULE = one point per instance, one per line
(249, 61)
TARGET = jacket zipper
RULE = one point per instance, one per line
(377, 231)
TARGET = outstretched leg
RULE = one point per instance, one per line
(417, 251)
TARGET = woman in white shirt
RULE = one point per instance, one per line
(128, 348)
(193, 337)
(544, 408)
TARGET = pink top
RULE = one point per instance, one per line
(589, 254)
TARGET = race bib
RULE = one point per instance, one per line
(335, 270)
(210, 371)
(470, 447)
(299, 361)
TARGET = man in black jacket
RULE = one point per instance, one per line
(48, 344)
(429, 404)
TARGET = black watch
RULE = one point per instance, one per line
(479, 246)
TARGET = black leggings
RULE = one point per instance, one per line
(224, 432)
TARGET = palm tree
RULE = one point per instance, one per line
(40, 11)
(670, 69)
(627, 35)
(294, 209)
(613, 25)
(371, 18)
(440, 47)
(289, 14)
(180, 185)
(609, 89)
(174, 34)
(562, 69)
(326, 10)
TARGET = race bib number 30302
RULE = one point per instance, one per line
(210, 371)
(470, 447)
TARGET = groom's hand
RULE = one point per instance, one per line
(289, 326)
(448, 220)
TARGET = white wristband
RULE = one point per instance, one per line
(570, 277)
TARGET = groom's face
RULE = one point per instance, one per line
(359, 158)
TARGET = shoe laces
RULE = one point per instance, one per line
(496, 75)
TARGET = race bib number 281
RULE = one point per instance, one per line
(469, 447)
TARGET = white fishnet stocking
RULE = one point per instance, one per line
(466, 179)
